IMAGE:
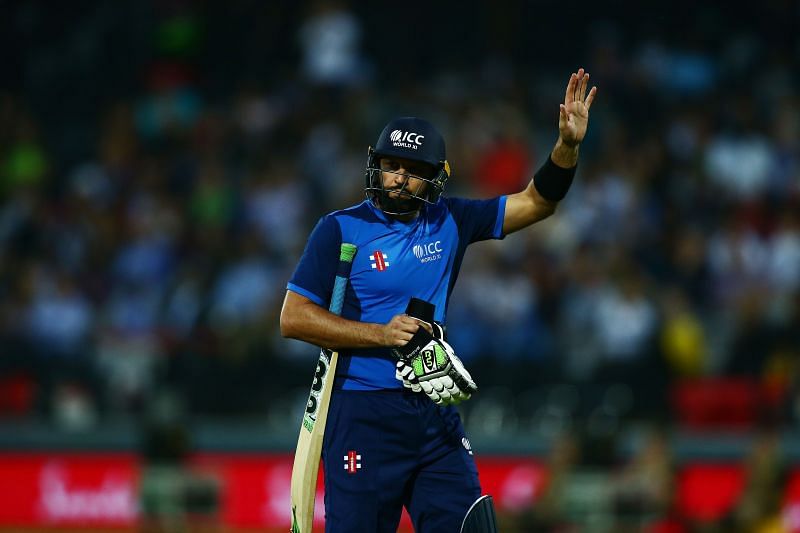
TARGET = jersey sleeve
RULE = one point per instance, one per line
(316, 270)
(478, 220)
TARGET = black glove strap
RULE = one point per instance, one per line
(424, 311)
(421, 309)
(420, 339)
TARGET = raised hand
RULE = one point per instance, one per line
(574, 115)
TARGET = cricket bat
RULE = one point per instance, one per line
(312, 430)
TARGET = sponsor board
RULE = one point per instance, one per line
(98, 490)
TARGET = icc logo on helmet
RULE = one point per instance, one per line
(398, 136)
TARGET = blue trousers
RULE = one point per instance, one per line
(387, 449)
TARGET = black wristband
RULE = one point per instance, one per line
(552, 181)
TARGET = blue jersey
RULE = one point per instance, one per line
(395, 261)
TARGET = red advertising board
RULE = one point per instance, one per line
(97, 490)
(790, 517)
(101, 491)
(706, 492)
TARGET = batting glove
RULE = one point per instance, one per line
(438, 371)
(405, 373)
(403, 370)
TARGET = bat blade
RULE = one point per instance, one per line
(305, 469)
(312, 430)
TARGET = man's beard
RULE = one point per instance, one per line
(401, 204)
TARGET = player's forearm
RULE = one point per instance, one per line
(563, 155)
(336, 332)
(318, 326)
(549, 185)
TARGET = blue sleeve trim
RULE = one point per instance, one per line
(308, 294)
(313, 277)
(501, 216)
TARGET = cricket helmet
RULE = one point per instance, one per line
(408, 138)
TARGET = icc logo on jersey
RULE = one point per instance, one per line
(428, 252)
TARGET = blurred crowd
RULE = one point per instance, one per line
(651, 492)
(161, 165)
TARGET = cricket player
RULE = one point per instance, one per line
(393, 437)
